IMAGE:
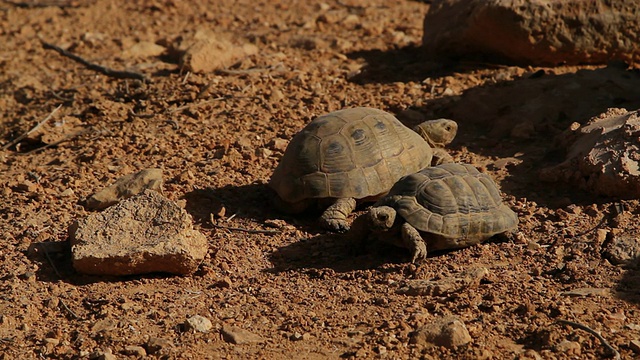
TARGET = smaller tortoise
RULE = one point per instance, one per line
(353, 155)
(447, 206)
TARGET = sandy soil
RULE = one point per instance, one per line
(213, 135)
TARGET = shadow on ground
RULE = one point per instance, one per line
(516, 119)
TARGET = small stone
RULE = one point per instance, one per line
(52, 341)
(102, 355)
(126, 187)
(68, 193)
(26, 186)
(223, 283)
(448, 332)
(199, 323)
(635, 345)
(239, 336)
(263, 152)
(143, 234)
(133, 350)
(143, 49)
(296, 336)
(278, 144)
(104, 325)
(569, 347)
(155, 345)
(587, 291)
(601, 235)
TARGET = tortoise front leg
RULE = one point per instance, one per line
(335, 217)
(441, 156)
(412, 240)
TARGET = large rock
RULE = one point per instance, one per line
(538, 32)
(603, 155)
(142, 234)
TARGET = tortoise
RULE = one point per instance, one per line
(353, 155)
(448, 206)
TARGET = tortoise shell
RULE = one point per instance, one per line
(352, 153)
(454, 201)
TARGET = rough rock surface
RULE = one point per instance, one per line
(211, 51)
(602, 155)
(448, 332)
(143, 234)
(125, 187)
(453, 284)
(541, 32)
(239, 336)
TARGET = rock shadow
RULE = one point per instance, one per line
(628, 288)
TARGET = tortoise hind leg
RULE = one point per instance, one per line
(335, 217)
(412, 240)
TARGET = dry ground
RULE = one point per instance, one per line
(212, 134)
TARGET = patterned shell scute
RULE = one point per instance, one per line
(357, 152)
(453, 200)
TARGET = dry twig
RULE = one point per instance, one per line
(612, 350)
(250, 231)
(46, 254)
(34, 129)
(118, 74)
(74, 315)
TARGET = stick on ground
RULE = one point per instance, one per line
(35, 128)
(612, 350)
(95, 67)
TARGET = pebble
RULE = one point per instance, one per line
(134, 350)
(278, 144)
(239, 336)
(569, 347)
(448, 331)
(199, 323)
(102, 355)
(126, 187)
(635, 345)
(154, 345)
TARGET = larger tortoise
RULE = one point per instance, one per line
(447, 206)
(352, 155)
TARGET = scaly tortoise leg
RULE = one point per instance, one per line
(335, 217)
(441, 156)
(412, 240)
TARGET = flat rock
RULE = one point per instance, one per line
(125, 187)
(421, 287)
(210, 51)
(239, 336)
(143, 49)
(143, 234)
(448, 331)
(541, 32)
(603, 155)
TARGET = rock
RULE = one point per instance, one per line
(211, 51)
(569, 347)
(104, 325)
(624, 250)
(420, 287)
(133, 350)
(126, 187)
(239, 336)
(102, 355)
(143, 234)
(155, 345)
(199, 323)
(447, 331)
(603, 155)
(635, 346)
(143, 49)
(278, 144)
(543, 32)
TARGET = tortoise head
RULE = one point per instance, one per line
(437, 133)
(382, 217)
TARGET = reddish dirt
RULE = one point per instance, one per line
(212, 134)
